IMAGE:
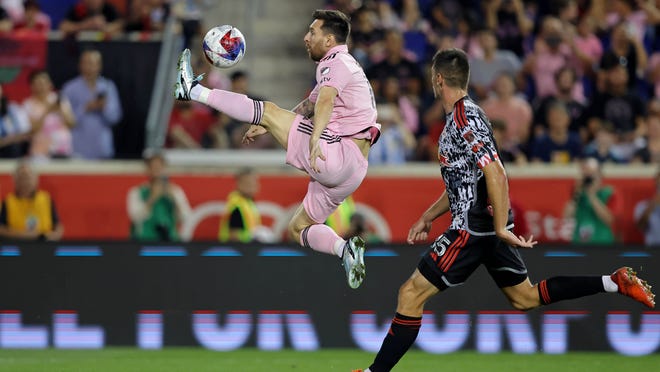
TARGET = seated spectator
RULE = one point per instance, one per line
(6, 24)
(241, 218)
(558, 145)
(617, 105)
(391, 94)
(96, 105)
(92, 15)
(398, 64)
(157, 206)
(647, 216)
(509, 152)
(33, 20)
(484, 70)
(367, 36)
(650, 152)
(28, 212)
(147, 16)
(505, 105)
(189, 122)
(594, 206)
(602, 147)
(565, 79)
(396, 142)
(550, 53)
(653, 73)
(51, 117)
(626, 51)
(15, 130)
(511, 23)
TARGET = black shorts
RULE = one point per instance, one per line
(455, 255)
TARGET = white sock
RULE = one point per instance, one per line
(339, 247)
(609, 284)
(200, 93)
(367, 370)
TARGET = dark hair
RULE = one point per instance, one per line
(34, 74)
(563, 69)
(237, 75)
(453, 65)
(335, 23)
(245, 171)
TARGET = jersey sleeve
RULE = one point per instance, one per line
(333, 73)
(477, 137)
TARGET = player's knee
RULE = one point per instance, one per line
(409, 295)
(294, 230)
(271, 111)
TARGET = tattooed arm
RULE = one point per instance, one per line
(305, 108)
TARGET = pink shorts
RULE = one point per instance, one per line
(341, 173)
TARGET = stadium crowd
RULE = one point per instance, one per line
(560, 80)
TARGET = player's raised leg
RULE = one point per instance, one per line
(274, 119)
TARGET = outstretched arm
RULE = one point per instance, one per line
(420, 229)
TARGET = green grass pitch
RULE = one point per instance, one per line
(247, 360)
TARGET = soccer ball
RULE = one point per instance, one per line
(224, 46)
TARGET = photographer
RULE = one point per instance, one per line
(594, 206)
(156, 207)
(647, 216)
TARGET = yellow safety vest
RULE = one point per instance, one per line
(30, 214)
(249, 213)
(340, 219)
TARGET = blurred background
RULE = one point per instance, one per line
(102, 172)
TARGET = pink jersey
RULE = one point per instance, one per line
(355, 107)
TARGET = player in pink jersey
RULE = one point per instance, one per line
(328, 135)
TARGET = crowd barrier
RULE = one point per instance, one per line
(225, 297)
(93, 206)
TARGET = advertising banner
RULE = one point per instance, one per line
(94, 295)
(94, 206)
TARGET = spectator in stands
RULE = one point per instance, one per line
(594, 206)
(157, 206)
(360, 227)
(628, 13)
(565, 79)
(507, 106)
(6, 24)
(550, 53)
(558, 145)
(602, 146)
(51, 117)
(396, 142)
(617, 105)
(15, 130)
(241, 218)
(147, 16)
(33, 20)
(189, 122)
(494, 62)
(396, 64)
(28, 212)
(647, 216)
(653, 73)
(586, 46)
(509, 152)
(650, 152)
(92, 15)
(391, 94)
(467, 36)
(340, 219)
(367, 35)
(96, 105)
(626, 50)
(510, 21)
